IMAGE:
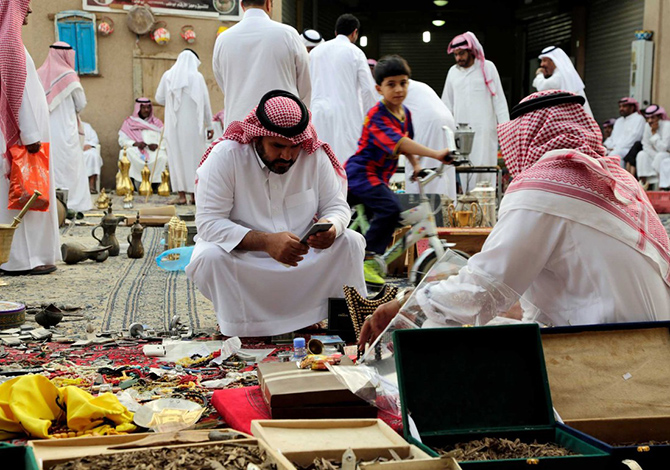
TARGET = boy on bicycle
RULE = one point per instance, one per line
(387, 132)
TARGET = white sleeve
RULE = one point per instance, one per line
(303, 81)
(332, 202)
(552, 83)
(28, 124)
(160, 92)
(124, 140)
(366, 83)
(499, 101)
(208, 106)
(664, 139)
(216, 61)
(215, 193)
(79, 98)
(517, 250)
(448, 94)
(91, 136)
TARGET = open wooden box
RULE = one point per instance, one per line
(612, 382)
(51, 452)
(301, 441)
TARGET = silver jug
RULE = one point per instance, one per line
(486, 196)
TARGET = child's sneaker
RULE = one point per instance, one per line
(373, 275)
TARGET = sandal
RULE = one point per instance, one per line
(36, 271)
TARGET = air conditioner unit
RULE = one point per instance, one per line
(641, 68)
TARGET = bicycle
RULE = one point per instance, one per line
(422, 221)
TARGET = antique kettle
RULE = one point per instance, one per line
(464, 137)
(486, 195)
(136, 249)
(465, 213)
(108, 224)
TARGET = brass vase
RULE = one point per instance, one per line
(164, 187)
(102, 202)
(123, 183)
(145, 185)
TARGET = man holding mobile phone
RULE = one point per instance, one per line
(260, 189)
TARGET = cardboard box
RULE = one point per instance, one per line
(612, 382)
(51, 452)
(303, 393)
(462, 384)
(301, 441)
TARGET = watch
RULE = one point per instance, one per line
(403, 295)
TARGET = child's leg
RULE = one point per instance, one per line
(386, 214)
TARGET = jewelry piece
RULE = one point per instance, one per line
(403, 295)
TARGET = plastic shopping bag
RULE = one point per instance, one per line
(29, 173)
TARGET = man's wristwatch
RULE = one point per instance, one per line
(403, 295)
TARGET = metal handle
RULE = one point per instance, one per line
(93, 233)
(31, 201)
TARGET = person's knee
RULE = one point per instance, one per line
(205, 256)
(351, 242)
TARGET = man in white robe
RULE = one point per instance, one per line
(259, 191)
(556, 72)
(258, 55)
(576, 236)
(474, 95)
(655, 148)
(92, 156)
(311, 38)
(628, 129)
(429, 117)
(188, 121)
(25, 121)
(140, 137)
(342, 88)
(66, 99)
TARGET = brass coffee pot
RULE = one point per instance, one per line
(136, 249)
(145, 185)
(108, 224)
(164, 187)
(123, 183)
(466, 213)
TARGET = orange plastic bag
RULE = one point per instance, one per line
(29, 172)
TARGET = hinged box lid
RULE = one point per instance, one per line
(461, 380)
(609, 371)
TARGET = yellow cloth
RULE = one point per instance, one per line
(29, 405)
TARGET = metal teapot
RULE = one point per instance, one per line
(486, 195)
(108, 224)
(136, 249)
(466, 213)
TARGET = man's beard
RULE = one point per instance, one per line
(273, 166)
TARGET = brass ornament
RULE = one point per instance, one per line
(123, 183)
(102, 202)
(145, 185)
(164, 187)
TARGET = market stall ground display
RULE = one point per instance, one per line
(501, 449)
(492, 383)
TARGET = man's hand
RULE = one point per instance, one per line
(87, 147)
(417, 170)
(34, 147)
(286, 248)
(539, 70)
(140, 145)
(323, 240)
(374, 325)
(210, 134)
(444, 156)
(153, 147)
(654, 127)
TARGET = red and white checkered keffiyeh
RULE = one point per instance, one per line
(12, 67)
(283, 112)
(579, 169)
(469, 41)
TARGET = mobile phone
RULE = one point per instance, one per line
(316, 228)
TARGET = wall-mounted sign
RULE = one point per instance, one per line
(215, 9)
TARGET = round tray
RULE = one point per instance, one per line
(12, 314)
(140, 19)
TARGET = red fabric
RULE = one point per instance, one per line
(588, 176)
(283, 112)
(134, 125)
(57, 72)
(239, 406)
(474, 46)
(220, 116)
(12, 67)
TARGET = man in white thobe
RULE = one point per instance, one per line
(655, 148)
(628, 129)
(258, 55)
(188, 121)
(556, 72)
(66, 99)
(342, 88)
(35, 245)
(139, 137)
(259, 190)
(311, 38)
(429, 117)
(576, 236)
(473, 93)
(92, 156)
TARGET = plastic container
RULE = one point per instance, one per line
(299, 349)
(179, 264)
